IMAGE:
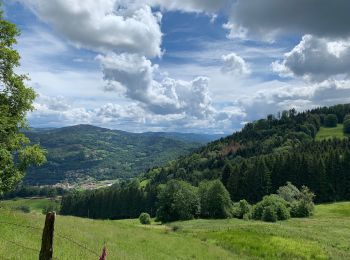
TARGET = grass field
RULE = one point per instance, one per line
(331, 132)
(324, 236)
(35, 204)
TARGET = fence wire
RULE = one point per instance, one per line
(57, 234)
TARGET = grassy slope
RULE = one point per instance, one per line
(326, 132)
(325, 235)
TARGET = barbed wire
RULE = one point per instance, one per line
(19, 225)
(77, 243)
(57, 234)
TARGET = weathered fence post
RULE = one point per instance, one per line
(46, 251)
(104, 253)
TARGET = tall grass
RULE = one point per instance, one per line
(326, 235)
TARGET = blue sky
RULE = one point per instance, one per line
(193, 66)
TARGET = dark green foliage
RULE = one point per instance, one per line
(242, 209)
(346, 126)
(84, 152)
(253, 163)
(23, 208)
(122, 200)
(178, 200)
(289, 192)
(269, 214)
(215, 200)
(275, 204)
(303, 206)
(346, 118)
(145, 218)
(16, 100)
(31, 191)
(301, 209)
(331, 120)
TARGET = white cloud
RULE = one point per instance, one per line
(143, 83)
(139, 96)
(316, 59)
(234, 64)
(129, 117)
(277, 96)
(103, 25)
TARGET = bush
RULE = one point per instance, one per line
(178, 200)
(145, 218)
(24, 208)
(346, 126)
(241, 209)
(289, 192)
(331, 120)
(301, 209)
(215, 200)
(269, 214)
(278, 204)
(304, 206)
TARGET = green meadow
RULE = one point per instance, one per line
(326, 235)
(331, 132)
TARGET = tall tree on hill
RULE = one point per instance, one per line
(16, 154)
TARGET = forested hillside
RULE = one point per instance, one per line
(86, 152)
(250, 163)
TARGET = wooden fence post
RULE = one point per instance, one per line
(46, 251)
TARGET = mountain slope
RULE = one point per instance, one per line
(87, 152)
(251, 163)
(267, 153)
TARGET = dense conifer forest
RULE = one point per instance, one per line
(251, 163)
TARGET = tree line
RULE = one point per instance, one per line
(251, 164)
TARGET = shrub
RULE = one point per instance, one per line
(289, 192)
(178, 200)
(215, 200)
(24, 208)
(283, 212)
(145, 218)
(247, 216)
(278, 204)
(269, 214)
(301, 209)
(241, 209)
(346, 126)
(304, 206)
(331, 120)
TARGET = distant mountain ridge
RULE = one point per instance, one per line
(86, 152)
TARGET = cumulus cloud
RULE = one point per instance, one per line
(130, 117)
(127, 34)
(268, 18)
(103, 25)
(138, 77)
(234, 64)
(316, 58)
(46, 115)
(277, 96)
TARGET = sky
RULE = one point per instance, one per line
(200, 66)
